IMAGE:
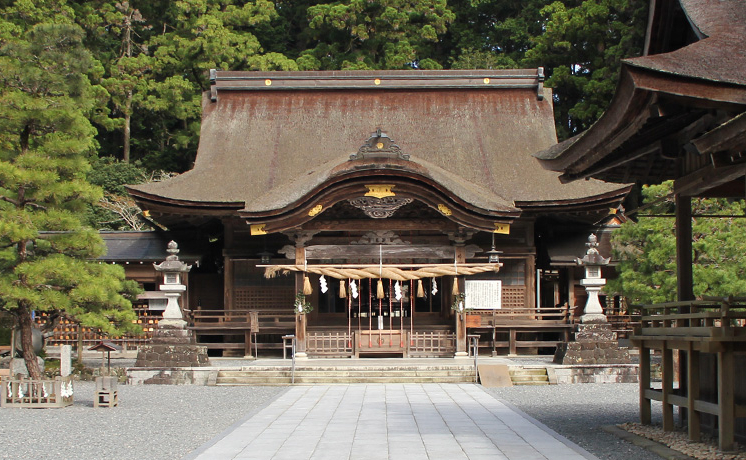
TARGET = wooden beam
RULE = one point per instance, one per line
(697, 183)
(371, 225)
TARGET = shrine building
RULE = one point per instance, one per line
(383, 204)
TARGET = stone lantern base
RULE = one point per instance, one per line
(595, 343)
(172, 347)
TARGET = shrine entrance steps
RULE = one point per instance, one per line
(529, 376)
(311, 375)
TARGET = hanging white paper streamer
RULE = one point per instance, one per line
(322, 282)
(435, 287)
(353, 289)
(397, 291)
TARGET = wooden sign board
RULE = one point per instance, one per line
(483, 294)
(473, 321)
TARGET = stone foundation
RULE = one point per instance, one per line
(595, 343)
(619, 373)
(172, 376)
(171, 348)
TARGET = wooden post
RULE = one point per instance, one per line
(667, 386)
(684, 280)
(461, 335)
(684, 277)
(228, 283)
(645, 410)
(300, 320)
(530, 300)
(512, 347)
(726, 400)
(693, 392)
(461, 326)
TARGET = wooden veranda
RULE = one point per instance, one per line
(709, 327)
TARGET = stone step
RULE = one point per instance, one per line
(530, 376)
(345, 373)
(282, 376)
(346, 380)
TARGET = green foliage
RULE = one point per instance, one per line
(579, 43)
(647, 250)
(581, 49)
(46, 139)
(385, 34)
(155, 56)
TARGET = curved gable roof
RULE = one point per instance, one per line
(268, 139)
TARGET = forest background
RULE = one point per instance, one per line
(132, 74)
(151, 59)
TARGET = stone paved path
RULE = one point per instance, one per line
(389, 422)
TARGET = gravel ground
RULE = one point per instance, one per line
(167, 422)
(153, 422)
(579, 411)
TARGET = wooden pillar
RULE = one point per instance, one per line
(684, 280)
(645, 410)
(726, 399)
(461, 335)
(667, 386)
(530, 300)
(228, 283)
(692, 379)
(300, 320)
(512, 348)
(461, 326)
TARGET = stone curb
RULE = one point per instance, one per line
(640, 441)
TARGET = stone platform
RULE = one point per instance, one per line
(595, 344)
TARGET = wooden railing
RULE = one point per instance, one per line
(242, 319)
(432, 343)
(520, 320)
(329, 344)
(694, 320)
(709, 326)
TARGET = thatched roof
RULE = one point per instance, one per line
(271, 142)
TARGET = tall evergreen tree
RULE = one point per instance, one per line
(646, 249)
(384, 34)
(46, 138)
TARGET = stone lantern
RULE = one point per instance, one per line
(172, 268)
(595, 342)
(172, 356)
(593, 283)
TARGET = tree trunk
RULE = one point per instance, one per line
(27, 346)
(127, 122)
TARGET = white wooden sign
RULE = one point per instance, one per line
(483, 294)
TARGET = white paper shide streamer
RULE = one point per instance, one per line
(353, 289)
(322, 283)
(397, 291)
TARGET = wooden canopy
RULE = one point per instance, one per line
(678, 112)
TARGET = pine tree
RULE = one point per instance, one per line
(46, 138)
(646, 249)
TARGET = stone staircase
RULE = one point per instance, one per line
(280, 375)
(529, 376)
